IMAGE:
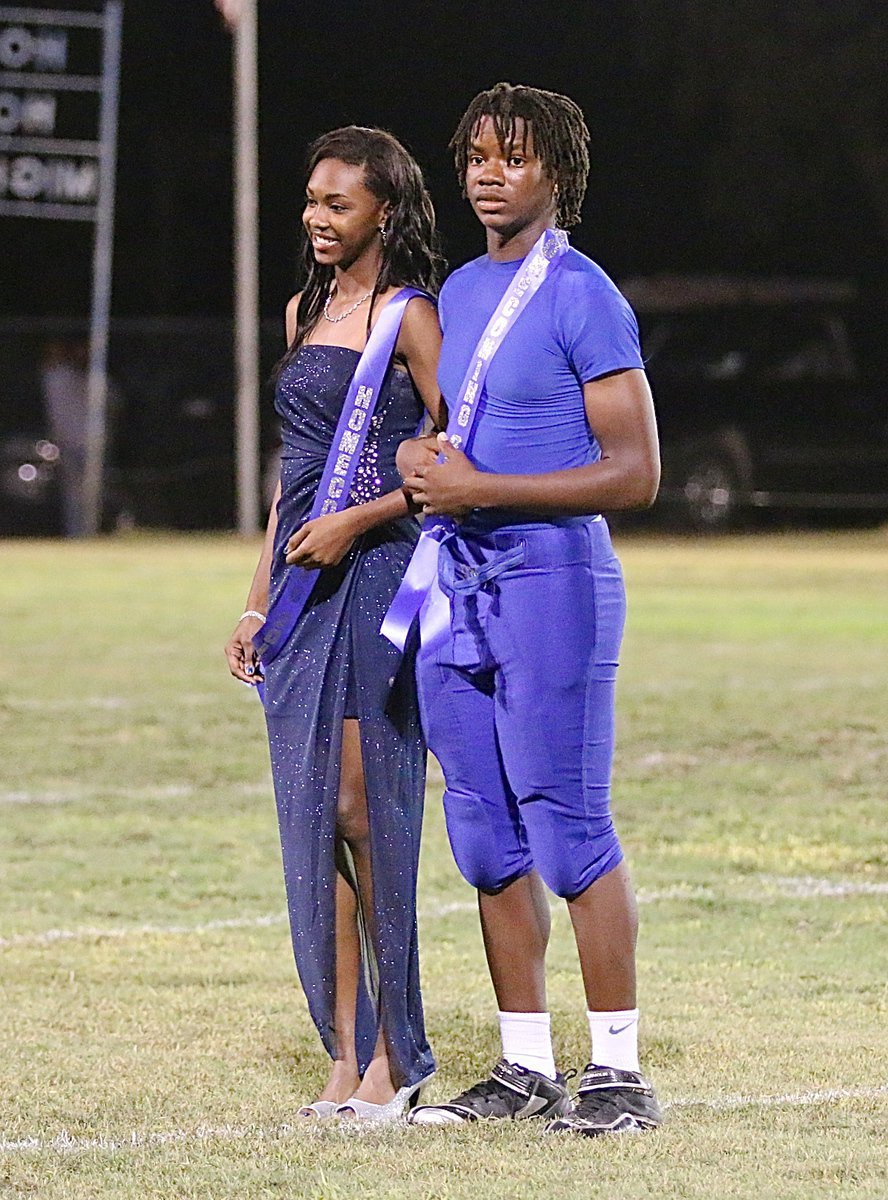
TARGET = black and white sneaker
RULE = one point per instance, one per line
(511, 1093)
(610, 1101)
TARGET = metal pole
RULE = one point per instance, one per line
(246, 260)
(103, 257)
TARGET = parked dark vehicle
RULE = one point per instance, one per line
(761, 400)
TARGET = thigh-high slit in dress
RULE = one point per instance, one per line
(335, 665)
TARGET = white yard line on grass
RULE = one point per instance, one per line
(678, 891)
(790, 1099)
(71, 704)
(21, 797)
(76, 704)
(92, 933)
(89, 933)
(64, 1143)
(803, 888)
(171, 791)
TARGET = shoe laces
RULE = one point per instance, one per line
(487, 1089)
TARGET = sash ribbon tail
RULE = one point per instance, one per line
(421, 573)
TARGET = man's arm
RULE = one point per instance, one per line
(620, 411)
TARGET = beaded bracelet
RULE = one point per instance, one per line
(251, 612)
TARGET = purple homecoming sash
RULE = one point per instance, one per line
(419, 582)
(339, 470)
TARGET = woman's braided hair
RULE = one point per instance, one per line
(560, 138)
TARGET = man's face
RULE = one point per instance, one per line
(506, 185)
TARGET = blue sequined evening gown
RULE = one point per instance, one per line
(336, 664)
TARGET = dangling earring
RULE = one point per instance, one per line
(382, 234)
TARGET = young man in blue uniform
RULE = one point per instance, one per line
(518, 695)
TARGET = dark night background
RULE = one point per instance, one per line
(744, 136)
(748, 135)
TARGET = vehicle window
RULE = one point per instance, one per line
(804, 346)
(697, 346)
(771, 343)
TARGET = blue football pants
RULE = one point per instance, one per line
(517, 700)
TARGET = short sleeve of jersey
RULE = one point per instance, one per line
(442, 304)
(599, 328)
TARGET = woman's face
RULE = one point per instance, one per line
(342, 217)
(506, 185)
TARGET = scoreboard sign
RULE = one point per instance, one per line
(54, 76)
(59, 80)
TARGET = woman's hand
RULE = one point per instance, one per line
(323, 542)
(445, 488)
(243, 661)
(414, 453)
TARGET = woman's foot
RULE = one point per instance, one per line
(342, 1082)
(381, 1114)
(376, 1087)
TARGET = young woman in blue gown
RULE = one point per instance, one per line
(347, 751)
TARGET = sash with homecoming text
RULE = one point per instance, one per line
(339, 470)
(422, 570)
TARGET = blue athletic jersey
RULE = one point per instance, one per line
(576, 328)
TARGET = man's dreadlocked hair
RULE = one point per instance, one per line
(560, 138)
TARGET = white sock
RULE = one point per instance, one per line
(615, 1039)
(527, 1041)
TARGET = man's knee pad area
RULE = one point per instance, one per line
(493, 846)
(488, 846)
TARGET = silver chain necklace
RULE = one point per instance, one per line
(348, 312)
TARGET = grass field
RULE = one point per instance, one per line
(153, 1041)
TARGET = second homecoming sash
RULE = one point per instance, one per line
(339, 470)
(422, 570)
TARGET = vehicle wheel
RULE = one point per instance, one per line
(711, 492)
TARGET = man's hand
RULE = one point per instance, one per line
(446, 488)
(414, 453)
(323, 542)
